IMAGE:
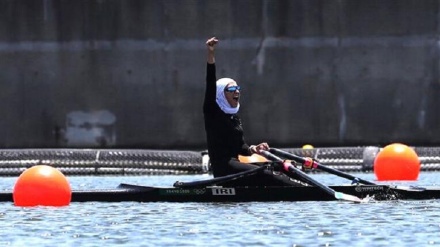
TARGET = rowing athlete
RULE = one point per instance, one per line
(224, 130)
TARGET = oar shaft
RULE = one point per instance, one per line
(292, 169)
(302, 160)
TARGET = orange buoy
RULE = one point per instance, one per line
(397, 162)
(251, 159)
(42, 185)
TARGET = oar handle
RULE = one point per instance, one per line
(313, 163)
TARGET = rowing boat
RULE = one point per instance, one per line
(137, 193)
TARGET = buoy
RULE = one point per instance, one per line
(397, 161)
(307, 146)
(42, 185)
(307, 150)
(251, 159)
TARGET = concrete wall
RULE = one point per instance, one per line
(111, 73)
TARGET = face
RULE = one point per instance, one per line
(232, 96)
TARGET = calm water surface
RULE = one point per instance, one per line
(399, 223)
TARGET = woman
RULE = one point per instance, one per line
(224, 130)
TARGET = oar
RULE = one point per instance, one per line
(290, 168)
(314, 164)
(219, 180)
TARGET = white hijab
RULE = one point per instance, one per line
(221, 99)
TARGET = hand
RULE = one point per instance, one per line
(210, 43)
(308, 163)
(258, 148)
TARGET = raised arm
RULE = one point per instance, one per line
(210, 93)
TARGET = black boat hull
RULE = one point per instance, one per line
(126, 192)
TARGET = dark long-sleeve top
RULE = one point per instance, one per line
(224, 132)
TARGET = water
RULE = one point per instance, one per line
(398, 223)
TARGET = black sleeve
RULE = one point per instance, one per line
(245, 149)
(211, 88)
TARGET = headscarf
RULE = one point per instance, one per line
(221, 99)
